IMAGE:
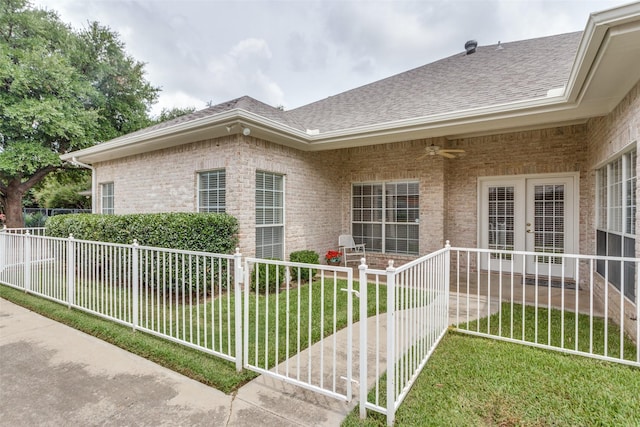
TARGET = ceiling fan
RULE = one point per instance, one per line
(432, 150)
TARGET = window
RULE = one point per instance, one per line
(616, 221)
(107, 198)
(385, 216)
(501, 218)
(269, 215)
(212, 191)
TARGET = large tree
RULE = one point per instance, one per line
(60, 90)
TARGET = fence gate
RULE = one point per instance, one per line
(298, 326)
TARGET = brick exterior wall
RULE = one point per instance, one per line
(166, 181)
(607, 137)
(318, 184)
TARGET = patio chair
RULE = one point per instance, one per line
(349, 248)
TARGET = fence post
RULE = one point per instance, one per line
(363, 337)
(134, 283)
(3, 247)
(447, 281)
(27, 261)
(237, 292)
(391, 344)
(71, 271)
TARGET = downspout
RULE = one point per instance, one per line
(94, 181)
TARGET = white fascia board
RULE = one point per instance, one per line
(236, 116)
(593, 43)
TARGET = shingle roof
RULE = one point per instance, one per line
(519, 71)
(244, 103)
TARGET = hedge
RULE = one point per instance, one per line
(206, 232)
(307, 257)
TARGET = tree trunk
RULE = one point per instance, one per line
(13, 208)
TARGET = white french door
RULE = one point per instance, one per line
(533, 214)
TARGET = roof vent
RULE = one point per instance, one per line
(470, 46)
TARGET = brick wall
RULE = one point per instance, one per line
(608, 136)
(318, 184)
(554, 150)
(166, 181)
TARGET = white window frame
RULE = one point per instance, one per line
(107, 198)
(611, 196)
(218, 193)
(275, 223)
(380, 217)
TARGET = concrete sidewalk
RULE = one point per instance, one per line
(51, 374)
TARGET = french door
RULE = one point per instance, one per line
(533, 214)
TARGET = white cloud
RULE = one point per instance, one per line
(243, 71)
(177, 99)
(296, 52)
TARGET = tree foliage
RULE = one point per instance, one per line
(60, 90)
(62, 191)
(173, 113)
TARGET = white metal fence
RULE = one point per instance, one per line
(301, 331)
(398, 343)
(559, 302)
(184, 296)
(300, 323)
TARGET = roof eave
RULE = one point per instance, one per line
(597, 82)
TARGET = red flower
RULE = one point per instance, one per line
(333, 256)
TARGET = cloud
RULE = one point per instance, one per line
(296, 52)
(241, 71)
(176, 99)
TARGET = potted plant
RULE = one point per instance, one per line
(333, 257)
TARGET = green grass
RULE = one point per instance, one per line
(472, 381)
(475, 381)
(550, 330)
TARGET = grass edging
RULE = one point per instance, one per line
(207, 369)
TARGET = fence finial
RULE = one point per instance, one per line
(447, 244)
(135, 242)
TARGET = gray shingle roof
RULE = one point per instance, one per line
(244, 103)
(519, 71)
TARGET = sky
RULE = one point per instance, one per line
(294, 52)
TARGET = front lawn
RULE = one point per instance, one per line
(472, 381)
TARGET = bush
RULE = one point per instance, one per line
(206, 232)
(307, 257)
(270, 281)
(35, 219)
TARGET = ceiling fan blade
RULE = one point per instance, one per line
(452, 150)
(444, 153)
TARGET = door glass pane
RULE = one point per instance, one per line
(549, 221)
(501, 219)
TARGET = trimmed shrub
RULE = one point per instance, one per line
(270, 276)
(206, 232)
(307, 257)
